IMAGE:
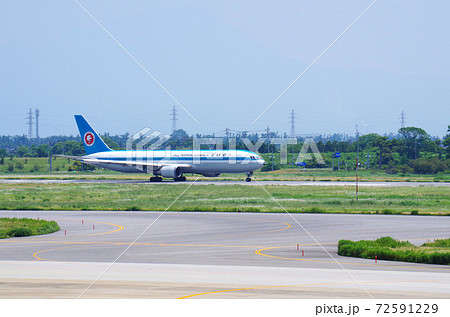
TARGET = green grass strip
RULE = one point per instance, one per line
(387, 248)
(294, 199)
(23, 227)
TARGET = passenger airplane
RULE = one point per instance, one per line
(164, 163)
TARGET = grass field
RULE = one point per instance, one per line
(401, 200)
(21, 227)
(38, 168)
(387, 248)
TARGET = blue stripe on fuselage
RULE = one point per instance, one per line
(171, 158)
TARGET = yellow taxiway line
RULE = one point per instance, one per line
(296, 285)
(260, 252)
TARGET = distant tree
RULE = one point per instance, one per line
(58, 148)
(382, 143)
(437, 147)
(112, 144)
(328, 147)
(446, 142)
(41, 150)
(320, 146)
(23, 151)
(414, 140)
(366, 139)
(74, 148)
(3, 154)
(180, 139)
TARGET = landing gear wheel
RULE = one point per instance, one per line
(180, 179)
(155, 179)
(248, 179)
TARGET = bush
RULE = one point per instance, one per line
(440, 243)
(387, 248)
(428, 166)
(19, 232)
(315, 210)
(22, 227)
(50, 226)
(402, 169)
(391, 243)
(268, 166)
(78, 166)
(35, 168)
(133, 208)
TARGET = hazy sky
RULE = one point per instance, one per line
(225, 62)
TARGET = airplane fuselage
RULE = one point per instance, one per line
(205, 162)
(164, 163)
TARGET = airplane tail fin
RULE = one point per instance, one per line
(91, 140)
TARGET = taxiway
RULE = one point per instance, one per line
(215, 255)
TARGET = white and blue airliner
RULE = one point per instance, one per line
(164, 163)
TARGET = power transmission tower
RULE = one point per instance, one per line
(292, 120)
(36, 115)
(402, 119)
(174, 119)
(29, 118)
(269, 148)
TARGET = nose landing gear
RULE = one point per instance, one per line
(249, 175)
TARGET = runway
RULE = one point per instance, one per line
(215, 255)
(226, 182)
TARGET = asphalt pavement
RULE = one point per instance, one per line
(215, 255)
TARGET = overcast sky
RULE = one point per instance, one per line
(225, 62)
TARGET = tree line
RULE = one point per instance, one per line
(412, 150)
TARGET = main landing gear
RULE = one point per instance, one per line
(248, 179)
(157, 179)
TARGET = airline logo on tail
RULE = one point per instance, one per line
(89, 138)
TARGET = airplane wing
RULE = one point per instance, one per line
(123, 163)
(78, 158)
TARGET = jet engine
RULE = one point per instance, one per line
(171, 171)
